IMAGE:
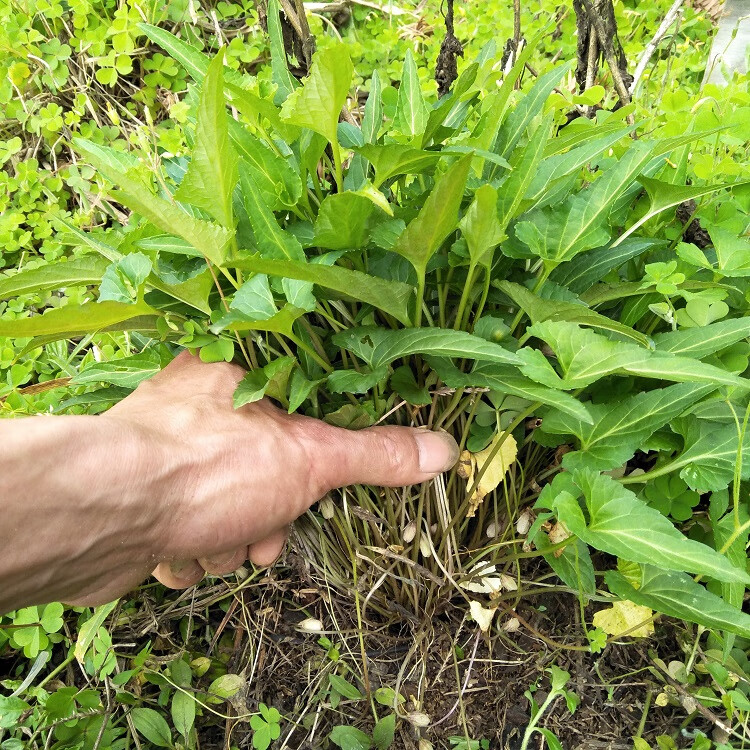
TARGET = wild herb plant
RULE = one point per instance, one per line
(475, 264)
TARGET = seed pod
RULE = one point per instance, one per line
(511, 625)
(523, 524)
(491, 530)
(310, 625)
(409, 532)
(508, 582)
(327, 508)
(418, 719)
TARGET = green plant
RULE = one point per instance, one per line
(323, 254)
(559, 678)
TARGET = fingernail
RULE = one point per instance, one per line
(438, 451)
(185, 569)
(221, 560)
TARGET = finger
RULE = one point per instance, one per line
(267, 551)
(220, 565)
(385, 456)
(179, 574)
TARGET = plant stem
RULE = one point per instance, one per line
(464, 296)
(337, 166)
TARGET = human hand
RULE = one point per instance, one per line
(224, 484)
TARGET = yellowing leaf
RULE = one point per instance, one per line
(471, 464)
(624, 615)
(482, 615)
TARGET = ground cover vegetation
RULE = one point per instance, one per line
(553, 273)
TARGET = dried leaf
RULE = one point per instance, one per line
(482, 616)
(493, 474)
(624, 615)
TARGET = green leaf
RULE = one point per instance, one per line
(167, 243)
(705, 340)
(317, 104)
(384, 732)
(586, 269)
(394, 159)
(481, 226)
(135, 193)
(341, 686)
(350, 738)
(411, 109)
(732, 252)
(152, 725)
(584, 357)
(280, 74)
(342, 221)
(529, 107)
(560, 233)
(573, 567)
(279, 184)
(272, 240)
(194, 292)
(90, 628)
(405, 385)
(540, 309)
(664, 195)
(506, 379)
(620, 428)
(351, 381)
(437, 218)
(270, 381)
(226, 686)
(390, 296)
(378, 346)
(281, 322)
(254, 299)
(122, 281)
(59, 275)
(250, 389)
(678, 595)
(75, 320)
(100, 398)
(212, 172)
(183, 712)
(194, 61)
(127, 372)
(620, 524)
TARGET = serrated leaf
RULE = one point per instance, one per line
(281, 322)
(584, 357)
(405, 385)
(378, 346)
(394, 159)
(351, 381)
(437, 218)
(411, 108)
(572, 564)
(622, 525)
(732, 252)
(481, 226)
(390, 296)
(619, 428)
(59, 275)
(280, 74)
(212, 172)
(678, 595)
(317, 103)
(703, 341)
(250, 389)
(254, 299)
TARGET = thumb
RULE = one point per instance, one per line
(385, 456)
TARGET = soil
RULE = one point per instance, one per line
(255, 634)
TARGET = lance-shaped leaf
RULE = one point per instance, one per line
(507, 379)
(732, 252)
(390, 296)
(481, 227)
(209, 239)
(581, 273)
(580, 223)
(351, 381)
(280, 74)
(437, 218)
(724, 531)
(620, 524)
(702, 341)
(572, 565)
(317, 104)
(678, 595)
(584, 357)
(394, 159)
(378, 346)
(411, 109)
(281, 322)
(76, 272)
(619, 429)
(664, 195)
(540, 309)
(212, 172)
(272, 240)
(75, 320)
